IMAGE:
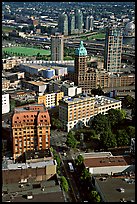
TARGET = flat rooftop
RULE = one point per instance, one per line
(37, 154)
(34, 66)
(110, 185)
(108, 161)
(70, 100)
(15, 193)
(39, 164)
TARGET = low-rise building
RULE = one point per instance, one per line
(9, 64)
(70, 89)
(5, 103)
(5, 83)
(105, 163)
(50, 99)
(115, 189)
(37, 86)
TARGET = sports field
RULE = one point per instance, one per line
(26, 51)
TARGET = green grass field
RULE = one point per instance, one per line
(96, 36)
(26, 51)
(7, 29)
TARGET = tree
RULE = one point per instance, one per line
(64, 183)
(108, 139)
(56, 123)
(100, 123)
(94, 196)
(85, 175)
(130, 131)
(115, 116)
(122, 138)
(79, 160)
(123, 112)
(71, 140)
(128, 101)
(12, 104)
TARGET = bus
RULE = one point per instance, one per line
(71, 168)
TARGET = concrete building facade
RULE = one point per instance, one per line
(76, 112)
(5, 103)
(57, 47)
(113, 50)
(63, 24)
(50, 99)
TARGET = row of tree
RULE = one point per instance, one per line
(84, 177)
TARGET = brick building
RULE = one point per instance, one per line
(30, 129)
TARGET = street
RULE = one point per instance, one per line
(58, 139)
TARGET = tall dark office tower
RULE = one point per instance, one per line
(79, 21)
(63, 24)
(57, 47)
(113, 50)
(71, 24)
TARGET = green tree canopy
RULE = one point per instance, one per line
(100, 123)
(115, 116)
(64, 183)
(85, 175)
(130, 131)
(128, 101)
(71, 140)
(108, 139)
(79, 160)
(122, 138)
(94, 196)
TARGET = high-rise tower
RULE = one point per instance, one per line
(89, 23)
(63, 24)
(71, 24)
(57, 47)
(113, 50)
(82, 78)
(79, 21)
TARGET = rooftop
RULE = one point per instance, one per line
(108, 161)
(106, 187)
(12, 166)
(37, 154)
(42, 191)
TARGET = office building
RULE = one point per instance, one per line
(76, 112)
(63, 24)
(5, 103)
(57, 47)
(30, 129)
(113, 50)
